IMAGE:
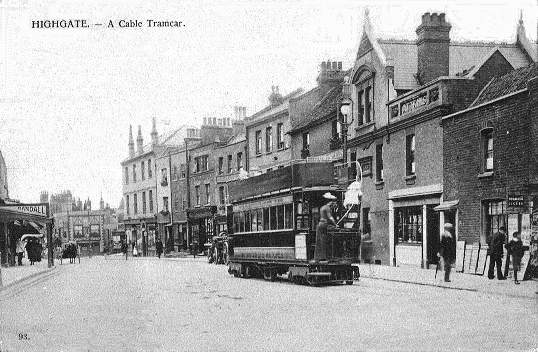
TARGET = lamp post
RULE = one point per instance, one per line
(346, 109)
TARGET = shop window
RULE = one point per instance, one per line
(487, 150)
(258, 142)
(134, 173)
(410, 154)
(150, 196)
(143, 171)
(379, 162)
(408, 224)
(269, 139)
(280, 136)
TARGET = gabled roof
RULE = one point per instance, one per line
(463, 56)
(271, 109)
(509, 83)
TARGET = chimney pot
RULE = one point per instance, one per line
(339, 65)
(205, 121)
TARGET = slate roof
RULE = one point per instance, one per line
(463, 56)
(509, 83)
(326, 104)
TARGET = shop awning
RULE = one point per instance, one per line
(451, 204)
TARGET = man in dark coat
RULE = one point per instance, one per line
(447, 250)
(515, 248)
(496, 244)
(159, 247)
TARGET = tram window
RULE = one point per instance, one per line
(272, 215)
(280, 216)
(288, 216)
(254, 220)
(241, 222)
(266, 218)
(247, 221)
(260, 219)
(236, 222)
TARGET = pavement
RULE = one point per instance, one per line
(458, 281)
(17, 274)
(185, 304)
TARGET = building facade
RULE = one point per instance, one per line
(490, 163)
(399, 92)
(267, 139)
(4, 193)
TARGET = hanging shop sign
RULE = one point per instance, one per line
(516, 201)
(26, 209)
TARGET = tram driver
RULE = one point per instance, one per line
(326, 217)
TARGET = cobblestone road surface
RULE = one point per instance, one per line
(148, 304)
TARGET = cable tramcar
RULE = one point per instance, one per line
(275, 216)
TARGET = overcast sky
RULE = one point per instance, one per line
(69, 95)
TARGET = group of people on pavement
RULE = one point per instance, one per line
(447, 252)
(33, 249)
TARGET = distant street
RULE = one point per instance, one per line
(148, 304)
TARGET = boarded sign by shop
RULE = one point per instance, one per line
(482, 256)
(473, 260)
(467, 258)
(460, 255)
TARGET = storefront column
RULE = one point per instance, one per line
(3, 258)
(391, 233)
(441, 223)
(424, 261)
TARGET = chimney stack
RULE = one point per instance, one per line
(139, 141)
(154, 134)
(331, 72)
(131, 143)
(433, 45)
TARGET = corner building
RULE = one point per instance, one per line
(400, 91)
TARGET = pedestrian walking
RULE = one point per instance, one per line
(326, 217)
(495, 251)
(515, 249)
(20, 251)
(135, 251)
(159, 247)
(447, 252)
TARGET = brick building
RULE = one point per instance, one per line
(315, 132)
(490, 159)
(268, 144)
(201, 179)
(400, 89)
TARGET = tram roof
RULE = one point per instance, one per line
(303, 175)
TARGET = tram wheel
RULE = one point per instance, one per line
(248, 272)
(349, 282)
(269, 275)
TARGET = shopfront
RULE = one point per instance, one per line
(414, 226)
(19, 219)
(143, 233)
(202, 224)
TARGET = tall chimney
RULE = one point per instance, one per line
(139, 141)
(433, 46)
(131, 142)
(154, 134)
